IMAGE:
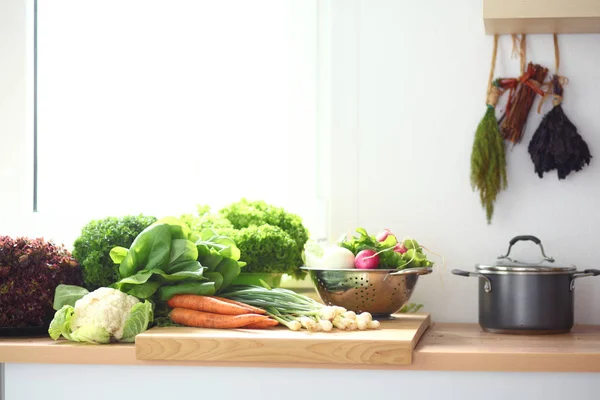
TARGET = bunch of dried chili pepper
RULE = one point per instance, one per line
(521, 101)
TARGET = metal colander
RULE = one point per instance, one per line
(378, 291)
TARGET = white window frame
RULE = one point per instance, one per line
(16, 211)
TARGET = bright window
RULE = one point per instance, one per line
(154, 107)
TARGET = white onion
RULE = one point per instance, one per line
(336, 257)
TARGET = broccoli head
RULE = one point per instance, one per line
(92, 248)
(266, 249)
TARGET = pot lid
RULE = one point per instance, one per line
(537, 265)
(515, 266)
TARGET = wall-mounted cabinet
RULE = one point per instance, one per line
(541, 16)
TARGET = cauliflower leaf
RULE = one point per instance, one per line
(67, 295)
(61, 324)
(91, 334)
(139, 317)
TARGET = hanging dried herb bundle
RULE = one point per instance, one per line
(488, 159)
(520, 103)
(556, 143)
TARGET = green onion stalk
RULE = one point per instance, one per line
(296, 311)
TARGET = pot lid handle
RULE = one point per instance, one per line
(523, 238)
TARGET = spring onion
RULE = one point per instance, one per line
(296, 311)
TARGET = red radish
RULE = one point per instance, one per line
(400, 248)
(381, 236)
(366, 259)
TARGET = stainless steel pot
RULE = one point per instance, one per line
(526, 297)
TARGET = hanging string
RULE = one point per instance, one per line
(551, 89)
(515, 46)
(492, 90)
(519, 49)
(523, 53)
(556, 54)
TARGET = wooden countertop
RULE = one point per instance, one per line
(443, 347)
(464, 347)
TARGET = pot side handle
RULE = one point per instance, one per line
(487, 286)
(585, 273)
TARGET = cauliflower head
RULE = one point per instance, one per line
(103, 314)
(105, 308)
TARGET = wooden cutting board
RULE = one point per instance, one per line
(393, 344)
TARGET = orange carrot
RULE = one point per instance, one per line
(207, 304)
(267, 323)
(246, 306)
(201, 319)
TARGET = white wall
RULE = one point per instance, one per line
(418, 92)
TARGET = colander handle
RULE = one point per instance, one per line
(418, 271)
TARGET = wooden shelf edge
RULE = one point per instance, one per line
(541, 16)
(578, 25)
(464, 362)
(443, 347)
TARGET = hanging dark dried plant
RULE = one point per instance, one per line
(556, 143)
